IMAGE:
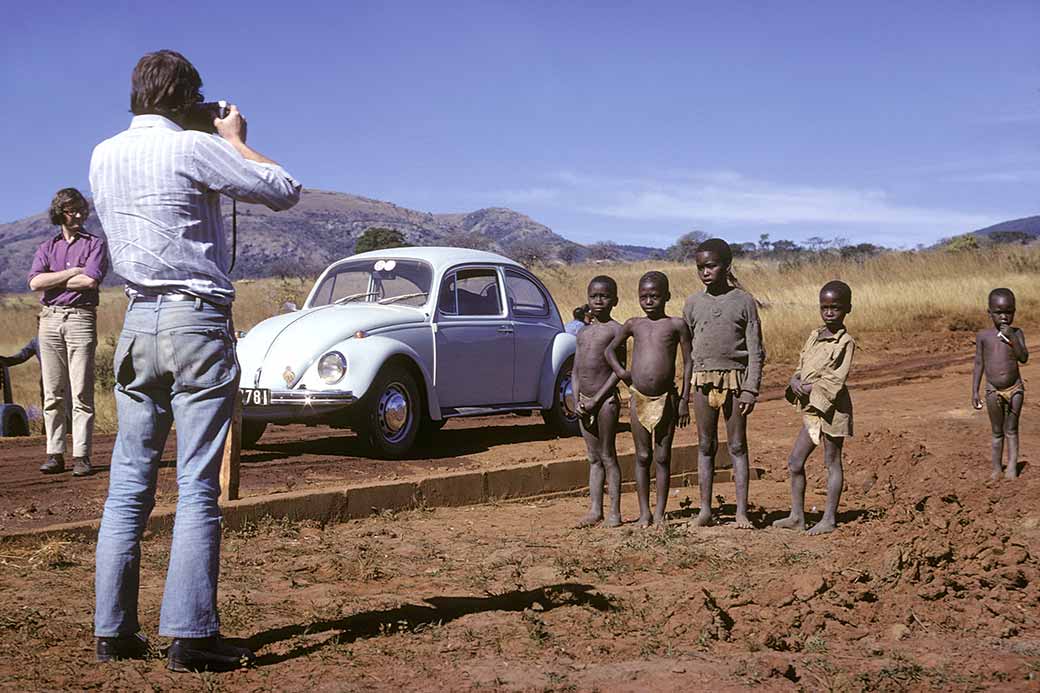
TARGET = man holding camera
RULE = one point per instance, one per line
(157, 192)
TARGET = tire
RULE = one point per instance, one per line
(561, 417)
(13, 421)
(391, 413)
(429, 429)
(251, 432)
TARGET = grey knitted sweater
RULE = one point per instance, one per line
(727, 334)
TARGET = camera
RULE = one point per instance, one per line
(201, 116)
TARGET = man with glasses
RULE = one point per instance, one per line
(68, 268)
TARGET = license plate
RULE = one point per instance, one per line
(255, 397)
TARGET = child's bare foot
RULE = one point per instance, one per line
(612, 521)
(790, 522)
(589, 520)
(824, 526)
(659, 520)
(1011, 472)
(703, 518)
(995, 475)
(742, 522)
(644, 521)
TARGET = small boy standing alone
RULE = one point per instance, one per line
(656, 409)
(998, 351)
(818, 391)
(598, 403)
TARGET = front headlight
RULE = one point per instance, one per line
(332, 367)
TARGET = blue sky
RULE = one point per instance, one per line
(888, 122)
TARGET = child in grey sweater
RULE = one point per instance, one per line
(727, 364)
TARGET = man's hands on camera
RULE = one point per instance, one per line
(233, 126)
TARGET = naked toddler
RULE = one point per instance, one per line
(998, 351)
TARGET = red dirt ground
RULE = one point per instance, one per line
(930, 583)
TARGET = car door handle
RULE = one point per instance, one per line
(505, 329)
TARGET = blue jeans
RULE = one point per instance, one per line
(175, 362)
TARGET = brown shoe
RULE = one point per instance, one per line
(55, 464)
(81, 466)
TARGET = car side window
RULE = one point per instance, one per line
(470, 292)
(447, 304)
(525, 298)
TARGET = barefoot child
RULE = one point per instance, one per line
(727, 370)
(998, 351)
(598, 400)
(818, 391)
(656, 409)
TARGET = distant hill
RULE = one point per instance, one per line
(324, 227)
(1027, 225)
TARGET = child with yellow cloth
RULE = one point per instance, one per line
(818, 391)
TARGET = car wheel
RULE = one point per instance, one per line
(563, 416)
(391, 413)
(251, 432)
(429, 429)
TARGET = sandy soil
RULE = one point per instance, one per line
(931, 582)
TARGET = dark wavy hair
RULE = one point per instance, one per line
(164, 83)
(63, 199)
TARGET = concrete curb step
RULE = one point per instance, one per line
(330, 504)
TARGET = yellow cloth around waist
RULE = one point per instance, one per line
(718, 385)
(649, 410)
(1008, 392)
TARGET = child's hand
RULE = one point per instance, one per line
(684, 413)
(796, 384)
(746, 402)
(976, 402)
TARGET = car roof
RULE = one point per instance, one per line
(440, 257)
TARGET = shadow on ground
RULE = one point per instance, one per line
(445, 444)
(413, 617)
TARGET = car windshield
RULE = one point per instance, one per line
(383, 281)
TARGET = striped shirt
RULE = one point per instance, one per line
(157, 193)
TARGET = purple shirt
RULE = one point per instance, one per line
(56, 254)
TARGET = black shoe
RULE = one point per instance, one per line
(123, 647)
(208, 654)
(81, 466)
(55, 464)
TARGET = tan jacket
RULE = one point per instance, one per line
(825, 363)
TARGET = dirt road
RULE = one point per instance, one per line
(297, 457)
(932, 581)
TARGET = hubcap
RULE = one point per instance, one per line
(566, 394)
(394, 412)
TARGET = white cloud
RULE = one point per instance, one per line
(726, 196)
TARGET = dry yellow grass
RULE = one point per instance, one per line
(892, 292)
(905, 292)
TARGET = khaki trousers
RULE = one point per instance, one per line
(68, 338)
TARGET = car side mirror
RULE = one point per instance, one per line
(289, 307)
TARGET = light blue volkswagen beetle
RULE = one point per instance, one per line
(392, 343)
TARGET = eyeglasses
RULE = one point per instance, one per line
(78, 211)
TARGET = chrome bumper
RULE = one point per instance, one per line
(305, 398)
(300, 406)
